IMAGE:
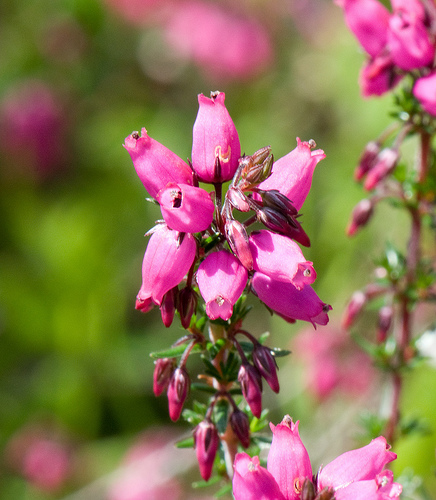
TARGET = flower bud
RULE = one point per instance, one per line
(238, 199)
(265, 362)
(360, 216)
(275, 199)
(187, 305)
(384, 165)
(251, 385)
(163, 369)
(206, 445)
(215, 147)
(358, 300)
(186, 208)
(240, 425)
(385, 316)
(177, 392)
(256, 168)
(237, 238)
(168, 306)
(372, 149)
(276, 221)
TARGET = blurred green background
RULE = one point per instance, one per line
(78, 76)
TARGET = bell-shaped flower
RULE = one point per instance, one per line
(186, 208)
(368, 20)
(425, 91)
(288, 460)
(280, 258)
(289, 302)
(378, 76)
(357, 465)
(409, 42)
(355, 475)
(292, 174)
(215, 144)
(166, 261)
(155, 164)
(221, 279)
(206, 446)
(251, 481)
(411, 7)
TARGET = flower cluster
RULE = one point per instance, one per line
(201, 248)
(356, 474)
(397, 43)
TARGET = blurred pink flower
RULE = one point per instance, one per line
(332, 362)
(356, 474)
(146, 472)
(425, 91)
(33, 130)
(42, 456)
(225, 45)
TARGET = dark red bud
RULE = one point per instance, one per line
(187, 305)
(299, 235)
(206, 445)
(241, 427)
(237, 238)
(275, 199)
(367, 159)
(360, 216)
(308, 491)
(177, 392)
(251, 385)
(168, 306)
(385, 316)
(265, 362)
(385, 163)
(358, 300)
(163, 369)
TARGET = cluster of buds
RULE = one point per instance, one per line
(397, 43)
(201, 248)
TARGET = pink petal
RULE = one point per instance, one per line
(251, 481)
(357, 465)
(288, 460)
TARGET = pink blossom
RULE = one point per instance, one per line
(206, 446)
(186, 208)
(289, 302)
(280, 258)
(215, 145)
(384, 164)
(224, 44)
(425, 91)
(355, 475)
(33, 131)
(155, 164)
(368, 20)
(166, 261)
(292, 174)
(251, 386)
(409, 42)
(221, 279)
(330, 361)
(378, 76)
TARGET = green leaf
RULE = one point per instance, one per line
(221, 413)
(185, 443)
(279, 353)
(174, 352)
(198, 386)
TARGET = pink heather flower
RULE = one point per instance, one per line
(412, 7)
(221, 279)
(280, 258)
(186, 208)
(355, 475)
(289, 302)
(409, 42)
(166, 261)
(195, 31)
(177, 393)
(425, 91)
(384, 165)
(33, 131)
(330, 361)
(292, 174)
(155, 164)
(378, 76)
(163, 370)
(215, 145)
(251, 386)
(368, 20)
